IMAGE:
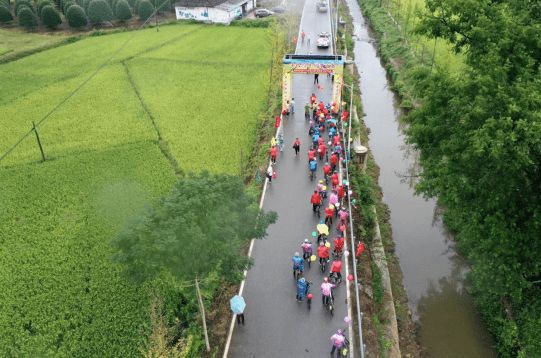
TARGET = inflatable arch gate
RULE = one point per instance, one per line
(311, 64)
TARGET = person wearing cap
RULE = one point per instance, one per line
(329, 211)
(315, 137)
(297, 146)
(341, 193)
(311, 154)
(274, 152)
(332, 132)
(336, 139)
(326, 288)
(306, 249)
(337, 342)
(298, 263)
(334, 179)
(314, 109)
(301, 289)
(333, 199)
(337, 267)
(307, 110)
(315, 200)
(321, 105)
(338, 149)
(280, 141)
(313, 168)
(292, 105)
(338, 244)
(323, 252)
(320, 189)
(327, 169)
(313, 99)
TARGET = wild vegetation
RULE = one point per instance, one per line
(477, 129)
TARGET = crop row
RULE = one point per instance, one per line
(59, 293)
(103, 114)
(205, 112)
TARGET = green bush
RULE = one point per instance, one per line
(66, 6)
(86, 3)
(145, 9)
(76, 16)
(27, 18)
(136, 6)
(113, 7)
(131, 3)
(163, 5)
(50, 17)
(41, 5)
(99, 11)
(20, 3)
(123, 11)
(5, 14)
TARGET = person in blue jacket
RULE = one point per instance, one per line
(313, 167)
(301, 289)
(298, 263)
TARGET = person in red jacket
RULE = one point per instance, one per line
(325, 111)
(337, 267)
(360, 248)
(329, 211)
(327, 169)
(344, 115)
(338, 245)
(341, 193)
(334, 178)
(274, 153)
(297, 146)
(323, 252)
(334, 162)
(315, 201)
(313, 99)
(321, 105)
(311, 154)
(336, 139)
(321, 150)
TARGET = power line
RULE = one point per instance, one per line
(81, 86)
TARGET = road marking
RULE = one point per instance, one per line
(245, 272)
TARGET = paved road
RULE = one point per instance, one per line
(276, 325)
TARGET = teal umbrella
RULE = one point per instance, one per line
(237, 304)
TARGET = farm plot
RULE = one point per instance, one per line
(224, 45)
(104, 113)
(60, 296)
(43, 69)
(206, 112)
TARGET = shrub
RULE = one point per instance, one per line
(131, 3)
(76, 16)
(136, 6)
(27, 18)
(5, 14)
(67, 5)
(145, 9)
(86, 3)
(123, 11)
(50, 17)
(99, 11)
(42, 4)
(113, 7)
(20, 3)
(163, 5)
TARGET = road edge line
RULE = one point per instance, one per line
(252, 242)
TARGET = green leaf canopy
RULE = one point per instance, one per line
(197, 229)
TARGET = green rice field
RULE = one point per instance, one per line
(200, 87)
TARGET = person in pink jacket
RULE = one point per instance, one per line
(326, 287)
(337, 342)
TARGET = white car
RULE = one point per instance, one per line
(323, 40)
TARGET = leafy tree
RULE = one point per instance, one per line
(20, 3)
(113, 7)
(145, 9)
(76, 16)
(479, 138)
(50, 17)
(5, 15)
(199, 228)
(42, 4)
(99, 11)
(123, 11)
(131, 3)
(86, 4)
(136, 6)
(27, 18)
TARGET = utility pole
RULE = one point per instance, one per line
(39, 141)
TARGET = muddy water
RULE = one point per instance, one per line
(433, 272)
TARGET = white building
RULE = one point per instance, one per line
(223, 11)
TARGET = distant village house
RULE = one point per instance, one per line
(223, 11)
